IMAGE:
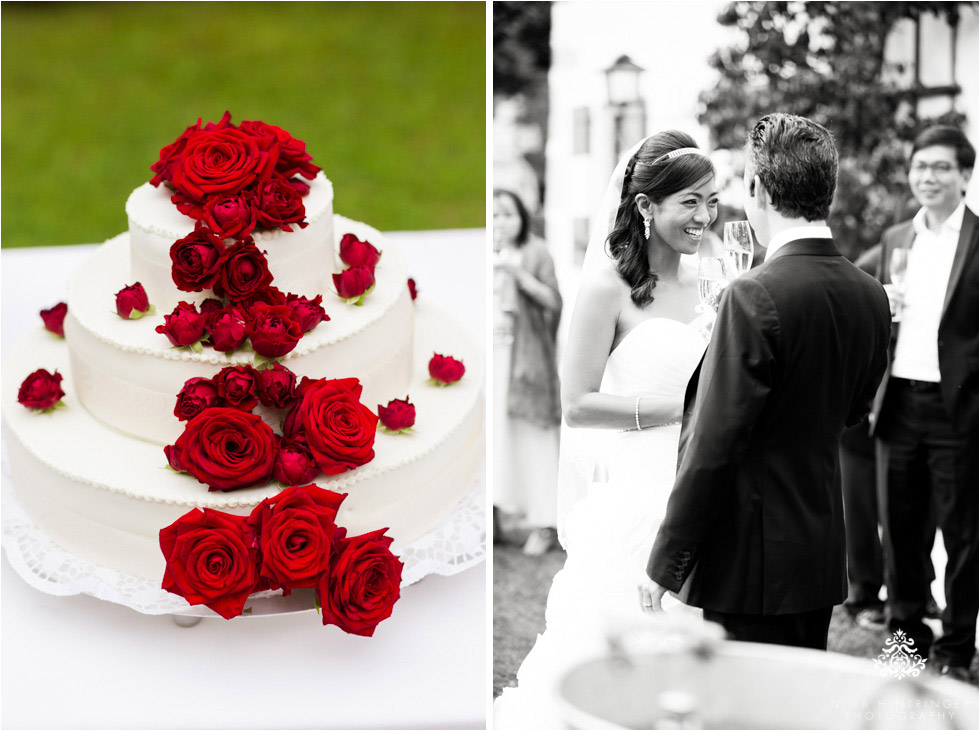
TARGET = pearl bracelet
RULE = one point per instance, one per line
(636, 413)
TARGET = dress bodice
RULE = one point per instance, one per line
(655, 358)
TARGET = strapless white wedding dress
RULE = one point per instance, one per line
(609, 533)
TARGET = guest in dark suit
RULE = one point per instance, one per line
(925, 413)
(754, 527)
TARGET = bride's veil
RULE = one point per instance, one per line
(580, 451)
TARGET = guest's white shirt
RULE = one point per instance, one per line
(792, 234)
(929, 265)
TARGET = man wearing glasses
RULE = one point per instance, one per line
(925, 414)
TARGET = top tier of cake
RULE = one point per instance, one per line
(302, 261)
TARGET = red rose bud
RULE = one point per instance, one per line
(227, 329)
(174, 458)
(307, 312)
(131, 302)
(363, 583)
(41, 390)
(231, 216)
(211, 305)
(294, 466)
(212, 559)
(412, 289)
(238, 386)
(54, 319)
(354, 283)
(277, 386)
(184, 326)
(272, 330)
(445, 369)
(243, 273)
(357, 253)
(196, 259)
(197, 395)
(279, 204)
(296, 533)
(399, 414)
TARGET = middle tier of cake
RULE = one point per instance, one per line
(128, 376)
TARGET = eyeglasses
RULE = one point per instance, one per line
(938, 168)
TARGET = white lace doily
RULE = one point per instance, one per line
(458, 543)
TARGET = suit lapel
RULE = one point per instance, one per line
(967, 240)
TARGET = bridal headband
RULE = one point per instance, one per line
(677, 153)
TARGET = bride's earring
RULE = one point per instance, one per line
(646, 228)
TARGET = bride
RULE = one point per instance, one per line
(634, 341)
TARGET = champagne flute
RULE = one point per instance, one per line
(738, 245)
(712, 279)
(898, 265)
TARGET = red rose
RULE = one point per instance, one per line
(211, 560)
(197, 259)
(445, 369)
(41, 390)
(230, 216)
(296, 531)
(294, 465)
(363, 583)
(54, 319)
(243, 272)
(188, 207)
(357, 253)
(412, 289)
(307, 312)
(227, 329)
(269, 295)
(131, 302)
(272, 330)
(354, 282)
(221, 161)
(238, 386)
(397, 415)
(171, 154)
(196, 395)
(279, 204)
(184, 326)
(227, 449)
(338, 429)
(293, 158)
(276, 386)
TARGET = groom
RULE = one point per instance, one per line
(754, 528)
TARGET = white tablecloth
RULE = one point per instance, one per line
(77, 662)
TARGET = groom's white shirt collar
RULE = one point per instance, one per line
(792, 234)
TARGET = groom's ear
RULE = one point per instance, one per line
(758, 191)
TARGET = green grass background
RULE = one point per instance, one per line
(389, 98)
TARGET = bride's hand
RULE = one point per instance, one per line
(651, 594)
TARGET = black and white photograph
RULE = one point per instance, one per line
(734, 333)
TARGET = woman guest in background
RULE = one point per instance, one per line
(527, 405)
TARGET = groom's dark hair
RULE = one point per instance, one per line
(796, 161)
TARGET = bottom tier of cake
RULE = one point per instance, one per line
(104, 496)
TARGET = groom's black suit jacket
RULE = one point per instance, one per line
(754, 524)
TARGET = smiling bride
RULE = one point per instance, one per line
(634, 341)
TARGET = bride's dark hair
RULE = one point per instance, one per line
(649, 172)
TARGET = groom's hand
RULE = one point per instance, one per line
(651, 594)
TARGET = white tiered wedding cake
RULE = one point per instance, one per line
(94, 475)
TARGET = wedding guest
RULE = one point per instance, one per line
(527, 408)
(925, 413)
